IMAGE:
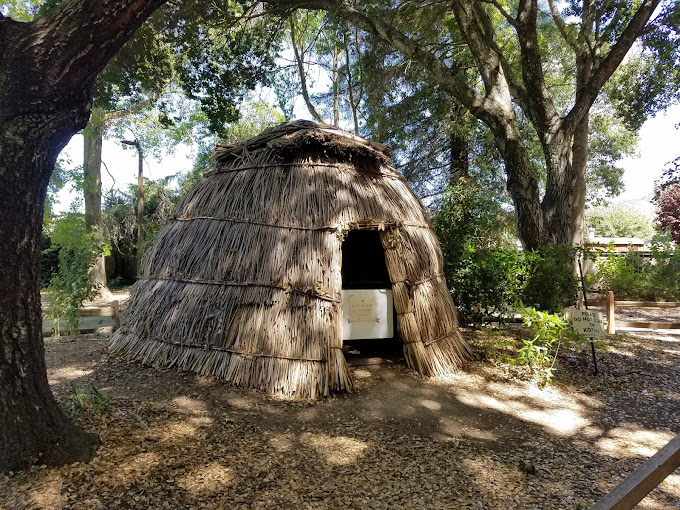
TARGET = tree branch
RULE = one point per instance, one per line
(587, 95)
(540, 107)
(485, 108)
(70, 44)
(512, 21)
(562, 26)
(302, 73)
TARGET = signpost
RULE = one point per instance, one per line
(589, 324)
(593, 324)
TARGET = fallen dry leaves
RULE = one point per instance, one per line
(487, 438)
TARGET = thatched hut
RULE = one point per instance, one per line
(245, 282)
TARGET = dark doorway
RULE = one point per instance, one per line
(364, 267)
(363, 261)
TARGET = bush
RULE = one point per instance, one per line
(550, 281)
(632, 277)
(620, 274)
(547, 333)
(665, 269)
(86, 401)
(484, 282)
(490, 282)
(72, 285)
(488, 275)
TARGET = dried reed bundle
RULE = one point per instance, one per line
(244, 282)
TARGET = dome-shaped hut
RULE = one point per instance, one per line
(245, 282)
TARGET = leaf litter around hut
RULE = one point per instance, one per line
(487, 437)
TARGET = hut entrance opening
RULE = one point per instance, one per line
(369, 319)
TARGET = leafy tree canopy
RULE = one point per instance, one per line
(619, 220)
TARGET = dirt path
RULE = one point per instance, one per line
(486, 438)
(643, 314)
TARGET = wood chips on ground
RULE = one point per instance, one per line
(487, 438)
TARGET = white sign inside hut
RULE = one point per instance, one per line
(588, 323)
(367, 313)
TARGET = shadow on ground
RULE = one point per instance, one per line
(484, 438)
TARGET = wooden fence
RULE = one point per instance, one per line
(643, 480)
(111, 310)
(610, 305)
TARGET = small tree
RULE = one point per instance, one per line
(667, 199)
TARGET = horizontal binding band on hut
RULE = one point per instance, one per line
(244, 283)
(389, 175)
(361, 225)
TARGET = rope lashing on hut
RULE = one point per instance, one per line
(351, 168)
(421, 281)
(310, 293)
(359, 226)
(241, 353)
(435, 340)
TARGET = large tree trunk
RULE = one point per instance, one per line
(32, 423)
(559, 188)
(579, 164)
(523, 188)
(47, 68)
(93, 135)
(579, 154)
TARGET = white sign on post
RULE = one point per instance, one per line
(588, 323)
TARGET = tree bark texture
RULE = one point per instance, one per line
(579, 152)
(32, 424)
(47, 68)
(459, 144)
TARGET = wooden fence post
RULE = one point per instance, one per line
(115, 318)
(611, 321)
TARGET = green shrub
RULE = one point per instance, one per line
(72, 284)
(664, 280)
(550, 282)
(620, 274)
(485, 282)
(489, 282)
(547, 333)
(485, 270)
(632, 277)
(85, 400)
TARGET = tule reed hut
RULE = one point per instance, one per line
(245, 283)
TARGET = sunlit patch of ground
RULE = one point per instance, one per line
(486, 437)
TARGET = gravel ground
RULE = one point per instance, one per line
(487, 438)
(645, 314)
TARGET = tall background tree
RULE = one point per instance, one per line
(667, 200)
(509, 85)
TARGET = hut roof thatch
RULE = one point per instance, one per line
(244, 282)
